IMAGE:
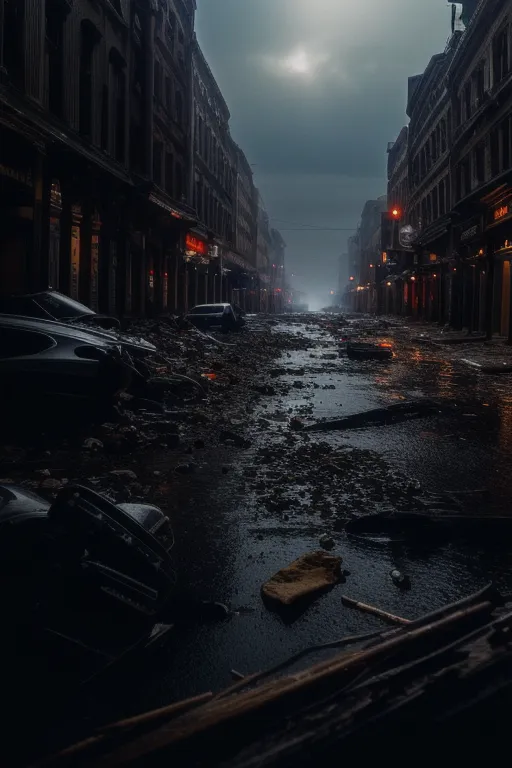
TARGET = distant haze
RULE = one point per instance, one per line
(316, 90)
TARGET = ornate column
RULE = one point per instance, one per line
(74, 277)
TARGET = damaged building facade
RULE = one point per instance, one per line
(453, 263)
(119, 176)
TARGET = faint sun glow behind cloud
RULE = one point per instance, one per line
(316, 91)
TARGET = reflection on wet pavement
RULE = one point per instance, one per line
(233, 535)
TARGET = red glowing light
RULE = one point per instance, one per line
(195, 245)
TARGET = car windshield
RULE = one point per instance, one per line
(208, 309)
(60, 306)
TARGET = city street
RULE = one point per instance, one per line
(247, 512)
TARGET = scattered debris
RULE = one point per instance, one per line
(400, 579)
(392, 414)
(326, 541)
(124, 474)
(389, 617)
(92, 444)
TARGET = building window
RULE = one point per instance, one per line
(13, 41)
(180, 189)
(104, 118)
(179, 108)
(441, 196)
(500, 48)
(168, 93)
(442, 136)
(467, 100)
(458, 113)
(181, 37)
(434, 147)
(87, 39)
(479, 79)
(120, 115)
(435, 204)
(54, 57)
(505, 145)
(494, 143)
(466, 177)
(170, 32)
(479, 158)
(157, 162)
(136, 147)
(169, 172)
(158, 81)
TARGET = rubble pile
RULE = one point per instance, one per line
(196, 392)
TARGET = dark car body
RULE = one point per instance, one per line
(222, 315)
(84, 581)
(53, 305)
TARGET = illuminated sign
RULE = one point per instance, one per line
(500, 212)
(194, 245)
(433, 257)
(384, 257)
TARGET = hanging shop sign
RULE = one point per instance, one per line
(16, 174)
(500, 212)
(406, 237)
(469, 233)
(194, 246)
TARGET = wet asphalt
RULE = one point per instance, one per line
(228, 542)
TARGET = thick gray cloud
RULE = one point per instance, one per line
(316, 90)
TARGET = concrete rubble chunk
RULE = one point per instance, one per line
(92, 444)
(310, 573)
(127, 474)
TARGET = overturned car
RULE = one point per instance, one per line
(85, 581)
(45, 363)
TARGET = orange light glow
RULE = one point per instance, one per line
(371, 266)
(209, 376)
(385, 346)
(388, 283)
(395, 213)
(413, 278)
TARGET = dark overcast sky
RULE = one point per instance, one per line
(316, 89)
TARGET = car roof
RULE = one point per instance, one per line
(214, 304)
(41, 325)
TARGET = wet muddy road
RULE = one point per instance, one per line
(274, 499)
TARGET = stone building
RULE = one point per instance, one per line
(118, 173)
(365, 249)
(393, 248)
(277, 269)
(86, 205)
(214, 188)
(480, 81)
(428, 286)
(247, 232)
(263, 255)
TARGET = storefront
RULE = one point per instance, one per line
(498, 244)
(196, 255)
(17, 205)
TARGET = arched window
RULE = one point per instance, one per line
(54, 57)
(13, 41)
(88, 37)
